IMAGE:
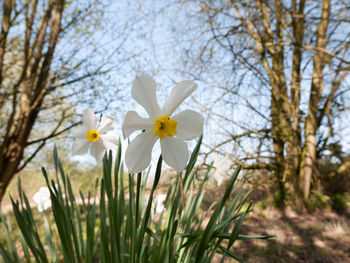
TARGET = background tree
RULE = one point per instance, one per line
(52, 55)
(284, 84)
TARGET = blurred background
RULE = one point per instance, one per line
(273, 85)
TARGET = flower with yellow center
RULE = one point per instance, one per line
(92, 135)
(171, 130)
(88, 135)
(164, 126)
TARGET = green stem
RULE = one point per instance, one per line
(138, 186)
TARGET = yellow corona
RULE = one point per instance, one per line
(163, 126)
(92, 135)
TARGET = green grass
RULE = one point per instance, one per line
(120, 228)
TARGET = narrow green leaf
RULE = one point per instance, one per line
(210, 228)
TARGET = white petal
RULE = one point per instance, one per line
(37, 197)
(175, 152)
(47, 204)
(42, 198)
(109, 141)
(80, 146)
(45, 192)
(40, 208)
(144, 92)
(133, 122)
(98, 151)
(159, 203)
(180, 92)
(138, 155)
(89, 119)
(159, 208)
(189, 124)
(218, 178)
(80, 131)
(107, 124)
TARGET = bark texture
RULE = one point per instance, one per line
(28, 93)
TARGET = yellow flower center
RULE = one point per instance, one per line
(92, 135)
(164, 126)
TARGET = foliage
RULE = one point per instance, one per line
(117, 229)
(340, 202)
(318, 200)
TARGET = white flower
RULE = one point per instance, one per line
(42, 199)
(222, 168)
(159, 203)
(87, 134)
(172, 131)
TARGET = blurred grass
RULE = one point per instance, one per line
(33, 179)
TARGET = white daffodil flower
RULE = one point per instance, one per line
(42, 199)
(222, 168)
(171, 130)
(87, 134)
(159, 203)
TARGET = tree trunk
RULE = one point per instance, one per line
(309, 152)
(29, 93)
(278, 148)
(278, 169)
(9, 168)
(308, 161)
(13, 147)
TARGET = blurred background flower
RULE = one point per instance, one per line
(42, 199)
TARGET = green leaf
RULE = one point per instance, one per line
(210, 228)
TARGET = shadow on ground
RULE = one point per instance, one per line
(322, 237)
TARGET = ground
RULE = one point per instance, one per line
(320, 237)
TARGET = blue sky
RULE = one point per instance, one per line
(157, 32)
